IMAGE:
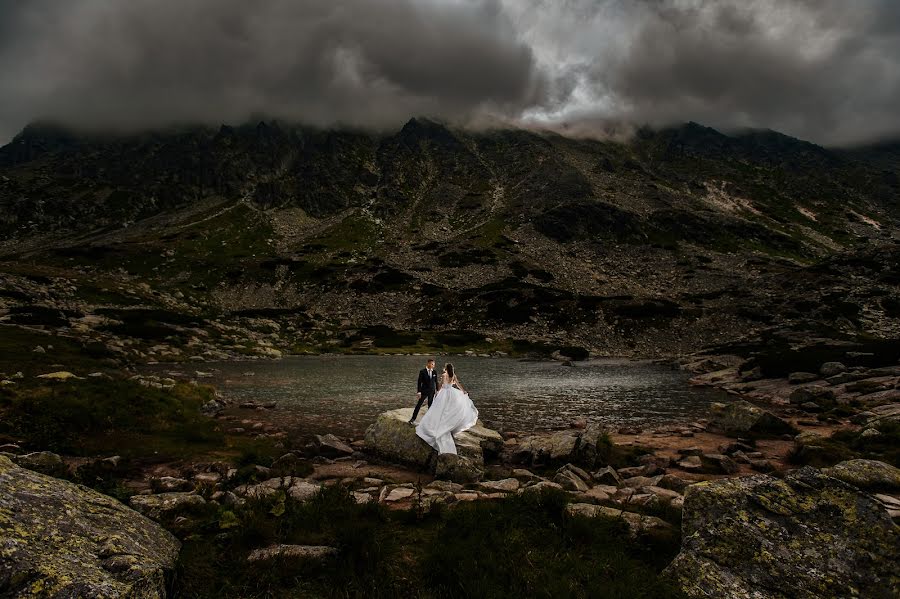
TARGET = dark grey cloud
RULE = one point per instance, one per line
(825, 70)
(137, 63)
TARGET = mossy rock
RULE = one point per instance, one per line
(806, 536)
(58, 539)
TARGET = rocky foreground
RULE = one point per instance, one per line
(813, 533)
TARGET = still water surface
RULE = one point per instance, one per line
(344, 394)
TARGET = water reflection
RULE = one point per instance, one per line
(343, 394)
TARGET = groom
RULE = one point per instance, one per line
(425, 387)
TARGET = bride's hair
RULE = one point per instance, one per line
(449, 368)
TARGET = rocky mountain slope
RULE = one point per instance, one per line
(284, 238)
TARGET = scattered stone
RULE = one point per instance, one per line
(672, 482)
(362, 498)
(599, 493)
(842, 542)
(61, 375)
(297, 488)
(878, 416)
(742, 417)
(762, 465)
(664, 495)
(829, 369)
(458, 469)
(798, 378)
(166, 506)
(691, 463)
(507, 485)
(636, 482)
(525, 476)
(45, 462)
(607, 476)
(169, 484)
(570, 481)
(208, 478)
(399, 494)
(687, 451)
(555, 448)
(541, 485)
(816, 395)
(291, 552)
(331, 447)
(444, 485)
(65, 540)
(638, 524)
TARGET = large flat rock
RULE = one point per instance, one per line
(393, 438)
(58, 539)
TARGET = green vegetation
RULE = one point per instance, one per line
(105, 417)
(521, 546)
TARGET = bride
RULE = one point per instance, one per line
(451, 412)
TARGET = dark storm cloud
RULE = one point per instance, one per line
(825, 70)
(124, 64)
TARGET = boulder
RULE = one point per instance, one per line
(45, 462)
(742, 417)
(331, 447)
(868, 475)
(58, 539)
(458, 469)
(393, 438)
(806, 536)
(638, 524)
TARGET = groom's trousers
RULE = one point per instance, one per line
(422, 399)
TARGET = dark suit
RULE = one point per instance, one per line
(427, 386)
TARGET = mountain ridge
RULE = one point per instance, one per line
(676, 239)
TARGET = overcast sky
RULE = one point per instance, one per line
(823, 70)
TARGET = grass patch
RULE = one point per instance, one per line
(524, 545)
(17, 353)
(94, 417)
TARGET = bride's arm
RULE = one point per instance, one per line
(458, 384)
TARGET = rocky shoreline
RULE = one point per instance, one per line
(650, 479)
(790, 446)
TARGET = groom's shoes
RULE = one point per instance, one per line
(411, 421)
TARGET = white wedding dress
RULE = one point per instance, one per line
(450, 413)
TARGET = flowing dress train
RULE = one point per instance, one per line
(451, 412)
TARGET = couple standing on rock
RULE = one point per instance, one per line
(450, 410)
